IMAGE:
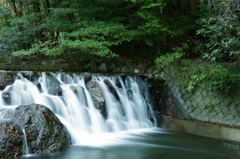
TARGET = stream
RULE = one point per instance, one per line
(107, 117)
(154, 143)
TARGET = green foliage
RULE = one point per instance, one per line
(53, 52)
(128, 28)
(22, 28)
(224, 80)
(220, 33)
(153, 25)
(100, 28)
(167, 59)
(4, 15)
(196, 81)
(88, 46)
(97, 37)
(47, 48)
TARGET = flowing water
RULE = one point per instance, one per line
(125, 128)
(151, 143)
(128, 106)
(25, 142)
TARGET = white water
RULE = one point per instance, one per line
(75, 107)
(25, 141)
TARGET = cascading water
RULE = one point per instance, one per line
(126, 102)
(25, 142)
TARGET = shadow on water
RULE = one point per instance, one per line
(155, 144)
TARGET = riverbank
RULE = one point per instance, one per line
(194, 90)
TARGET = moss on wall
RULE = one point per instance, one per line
(191, 94)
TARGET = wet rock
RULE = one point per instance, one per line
(97, 96)
(6, 97)
(80, 93)
(124, 78)
(39, 87)
(118, 83)
(31, 76)
(53, 85)
(158, 92)
(87, 78)
(114, 93)
(6, 78)
(6, 114)
(11, 140)
(130, 94)
(66, 77)
(112, 89)
(126, 81)
(44, 132)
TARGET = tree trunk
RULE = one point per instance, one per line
(47, 4)
(192, 5)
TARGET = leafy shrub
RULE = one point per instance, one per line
(165, 60)
(196, 80)
(225, 81)
(220, 33)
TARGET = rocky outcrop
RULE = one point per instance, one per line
(11, 140)
(6, 78)
(96, 94)
(44, 132)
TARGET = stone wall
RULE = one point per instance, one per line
(202, 103)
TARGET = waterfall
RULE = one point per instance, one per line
(125, 101)
(25, 142)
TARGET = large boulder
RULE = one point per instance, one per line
(6, 78)
(97, 95)
(45, 133)
(6, 96)
(32, 125)
(11, 140)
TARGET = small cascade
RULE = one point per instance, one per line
(26, 149)
(86, 104)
